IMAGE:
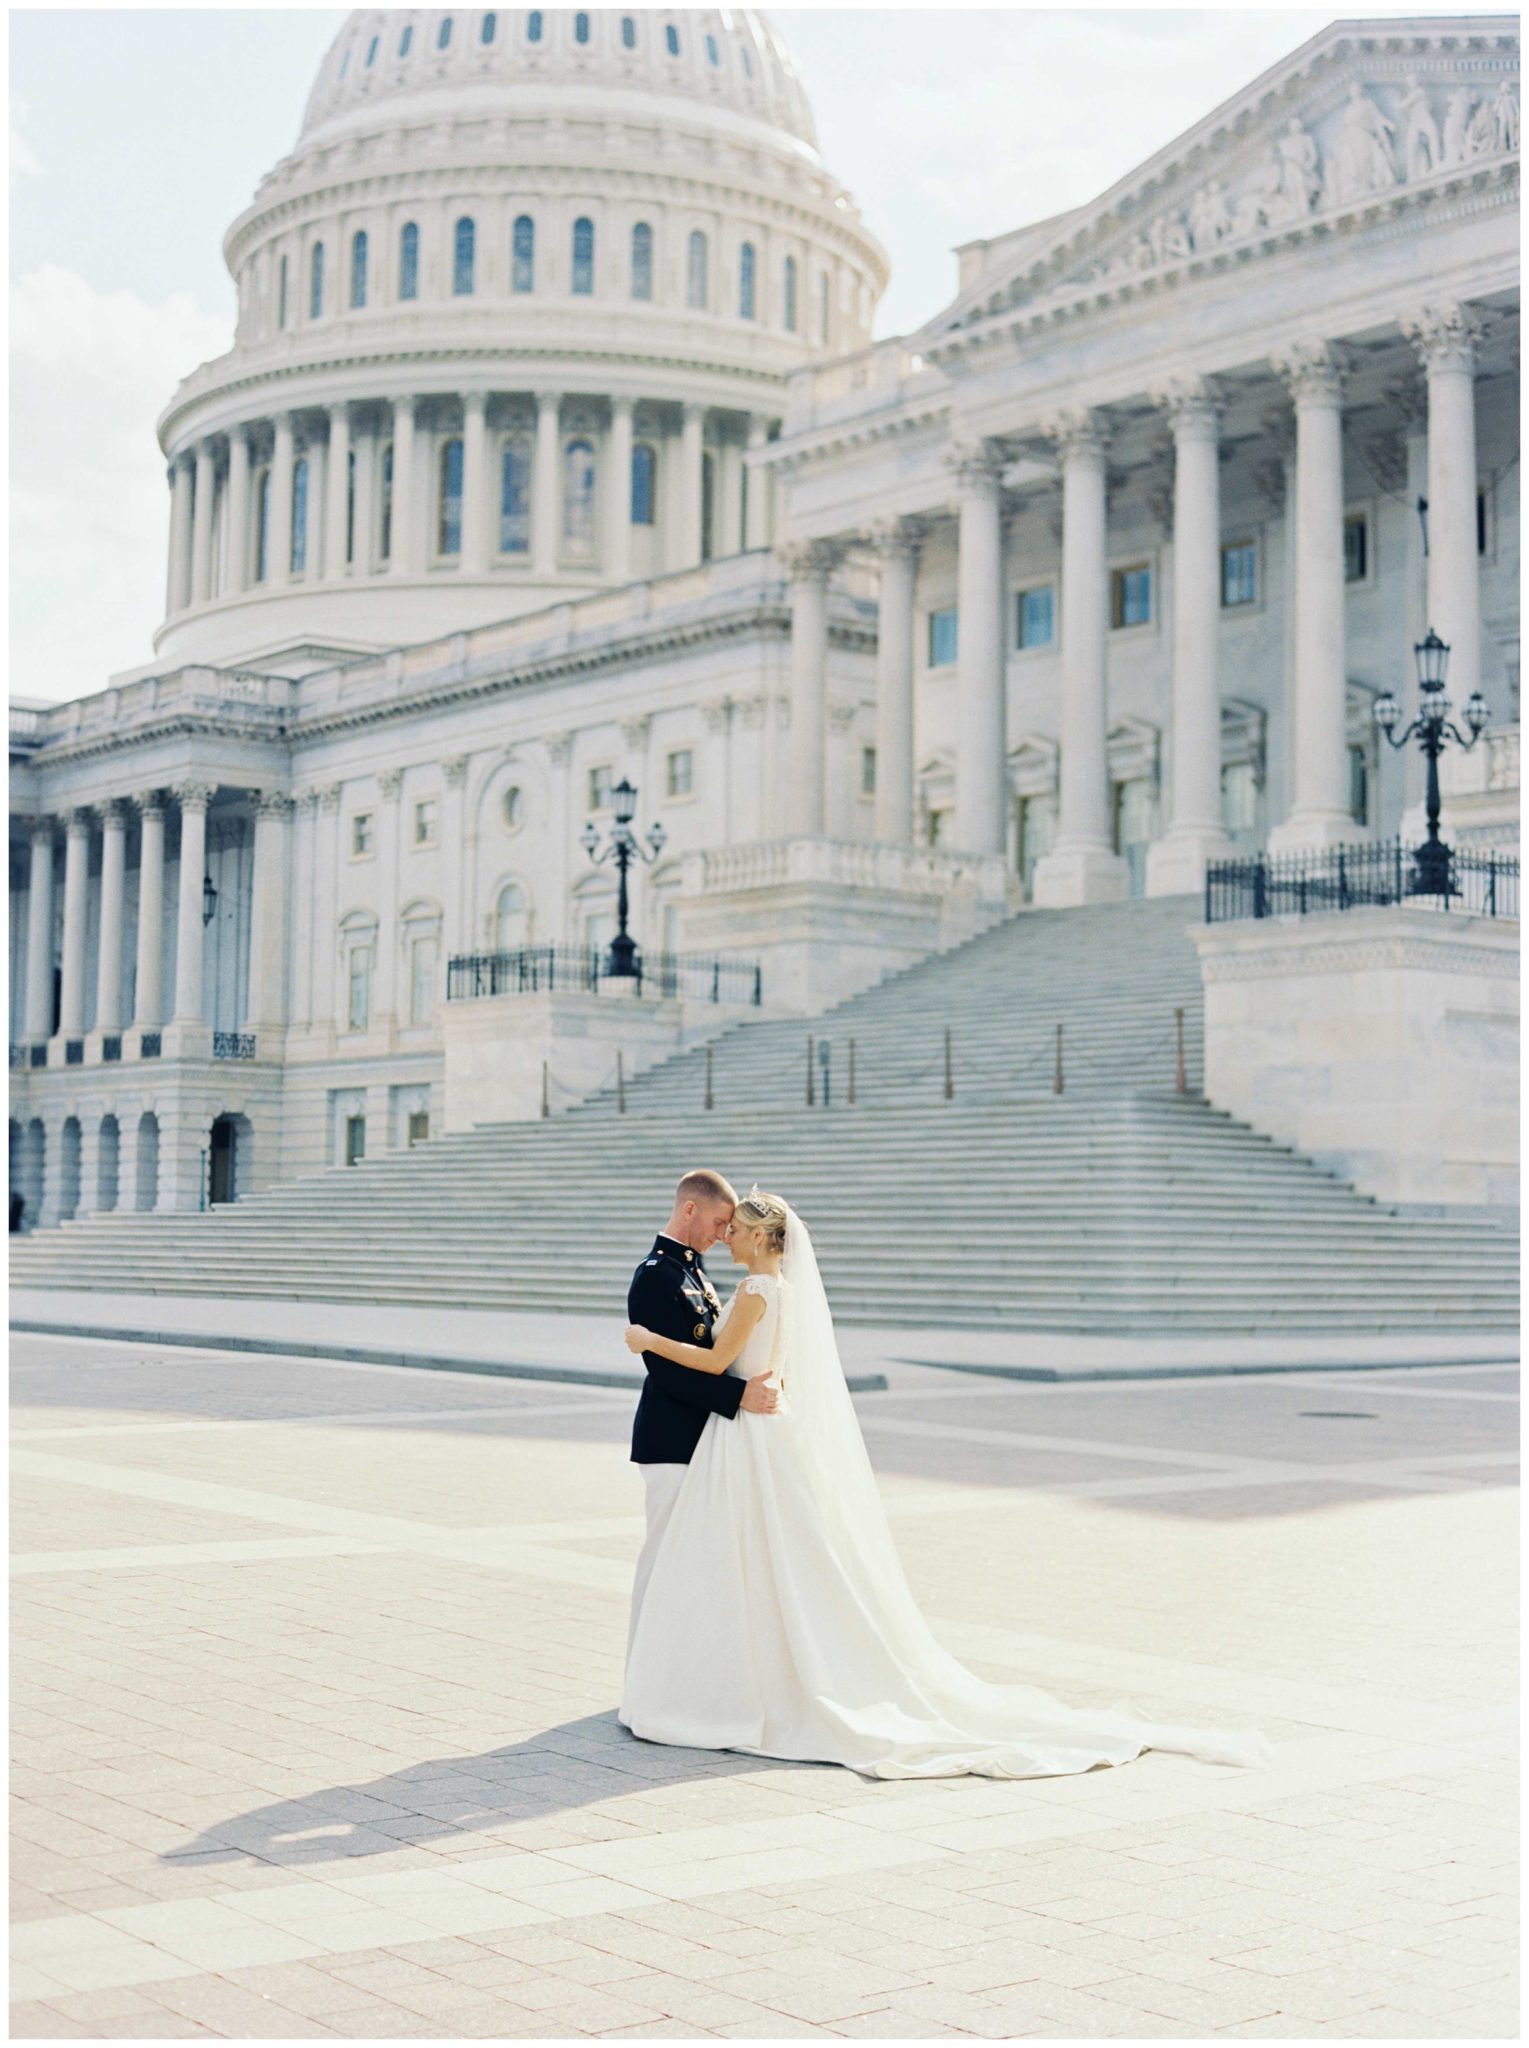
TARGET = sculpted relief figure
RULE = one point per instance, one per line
(1169, 238)
(1258, 205)
(1363, 164)
(1504, 119)
(1421, 150)
(1300, 177)
(1457, 124)
(1210, 220)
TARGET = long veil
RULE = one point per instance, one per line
(952, 1720)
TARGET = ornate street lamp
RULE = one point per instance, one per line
(209, 899)
(624, 846)
(1431, 728)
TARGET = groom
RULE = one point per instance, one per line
(671, 1295)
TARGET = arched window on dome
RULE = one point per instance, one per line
(350, 506)
(628, 32)
(462, 258)
(385, 510)
(448, 530)
(583, 256)
(405, 40)
(358, 268)
(262, 525)
(345, 64)
(371, 51)
(695, 271)
(642, 261)
(299, 515)
(534, 25)
(644, 480)
(713, 57)
(443, 33)
(747, 62)
(486, 31)
(408, 261)
(316, 282)
(790, 294)
(708, 505)
(512, 919)
(281, 293)
(746, 281)
(671, 39)
(515, 496)
(523, 254)
(581, 28)
(579, 498)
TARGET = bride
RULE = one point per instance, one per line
(777, 1619)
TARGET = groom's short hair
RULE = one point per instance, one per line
(702, 1185)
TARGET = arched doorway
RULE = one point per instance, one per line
(228, 1158)
(147, 1191)
(69, 1169)
(34, 1152)
(108, 1162)
(13, 1174)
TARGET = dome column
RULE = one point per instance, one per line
(404, 557)
(692, 457)
(475, 502)
(178, 582)
(756, 513)
(545, 494)
(337, 491)
(236, 514)
(368, 456)
(148, 981)
(803, 804)
(278, 560)
(201, 523)
(618, 499)
(39, 995)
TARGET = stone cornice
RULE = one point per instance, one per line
(1356, 941)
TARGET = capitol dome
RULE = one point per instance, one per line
(511, 315)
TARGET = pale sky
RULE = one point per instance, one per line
(137, 135)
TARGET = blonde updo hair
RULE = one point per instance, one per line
(764, 1212)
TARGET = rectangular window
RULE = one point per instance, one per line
(1481, 522)
(355, 1140)
(939, 827)
(942, 637)
(1131, 595)
(867, 771)
(1239, 574)
(1239, 797)
(359, 985)
(600, 788)
(360, 835)
(1356, 548)
(1358, 786)
(1036, 616)
(422, 959)
(681, 773)
(419, 1119)
(426, 815)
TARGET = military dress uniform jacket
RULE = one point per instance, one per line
(671, 1295)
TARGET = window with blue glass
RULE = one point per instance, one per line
(299, 557)
(581, 28)
(358, 268)
(486, 31)
(408, 261)
(1036, 616)
(515, 497)
(1239, 574)
(371, 52)
(579, 497)
(713, 56)
(1131, 595)
(345, 64)
(790, 294)
(405, 40)
(523, 254)
(316, 281)
(642, 261)
(448, 529)
(672, 39)
(746, 281)
(942, 637)
(644, 478)
(1356, 548)
(385, 510)
(462, 244)
(628, 32)
(263, 526)
(583, 256)
(695, 271)
(443, 33)
(350, 506)
(534, 26)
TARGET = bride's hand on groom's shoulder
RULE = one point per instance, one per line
(636, 1338)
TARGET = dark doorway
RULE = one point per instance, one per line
(220, 1163)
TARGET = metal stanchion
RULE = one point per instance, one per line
(620, 1086)
(851, 1092)
(1180, 1079)
(1056, 1078)
(546, 1106)
(709, 1097)
(811, 1096)
(950, 1078)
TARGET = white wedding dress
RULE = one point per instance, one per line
(777, 1619)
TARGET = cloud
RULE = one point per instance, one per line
(23, 163)
(90, 372)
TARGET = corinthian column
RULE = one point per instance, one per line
(475, 502)
(756, 523)
(109, 1016)
(802, 807)
(1312, 372)
(236, 544)
(278, 563)
(71, 1020)
(692, 457)
(1176, 862)
(618, 502)
(40, 933)
(268, 914)
(1446, 339)
(404, 559)
(897, 546)
(148, 984)
(545, 493)
(193, 798)
(1082, 866)
(178, 579)
(337, 492)
(981, 744)
(201, 523)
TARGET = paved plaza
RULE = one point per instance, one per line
(315, 1666)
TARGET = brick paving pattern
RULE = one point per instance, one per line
(314, 1670)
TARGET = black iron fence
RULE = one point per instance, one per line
(1481, 883)
(537, 970)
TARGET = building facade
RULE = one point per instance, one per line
(552, 447)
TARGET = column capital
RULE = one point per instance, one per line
(455, 770)
(41, 831)
(809, 561)
(548, 401)
(114, 813)
(975, 465)
(150, 803)
(390, 782)
(194, 796)
(897, 539)
(79, 820)
(717, 713)
(1311, 371)
(328, 798)
(622, 401)
(559, 746)
(1194, 406)
(272, 803)
(634, 731)
(1446, 337)
(474, 401)
(1078, 431)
